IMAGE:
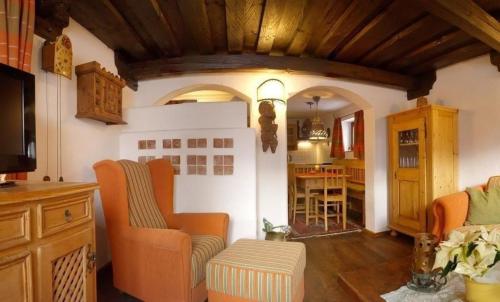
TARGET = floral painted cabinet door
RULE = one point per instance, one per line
(408, 179)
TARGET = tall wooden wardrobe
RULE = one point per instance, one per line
(423, 162)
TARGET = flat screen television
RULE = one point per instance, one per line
(17, 120)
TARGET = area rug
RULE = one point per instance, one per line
(300, 230)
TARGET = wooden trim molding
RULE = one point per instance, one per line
(373, 234)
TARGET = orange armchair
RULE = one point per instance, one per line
(450, 212)
(154, 264)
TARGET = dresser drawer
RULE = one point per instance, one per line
(14, 227)
(59, 215)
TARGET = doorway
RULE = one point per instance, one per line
(321, 133)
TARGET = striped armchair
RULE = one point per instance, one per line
(157, 255)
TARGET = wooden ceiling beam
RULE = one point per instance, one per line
(495, 58)
(102, 19)
(420, 32)
(333, 11)
(432, 49)
(351, 21)
(121, 60)
(194, 14)
(148, 21)
(396, 16)
(461, 54)
(424, 85)
(272, 12)
(172, 14)
(314, 13)
(235, 20)
(469, 17)
(216, 12)
(293, 14)
(253, 16)
(213, 63)
(52, 16)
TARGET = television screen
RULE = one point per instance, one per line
(17, 120)
(11, 123)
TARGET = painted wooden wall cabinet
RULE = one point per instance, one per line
(423, 163)
(47, 242)
(99, 95)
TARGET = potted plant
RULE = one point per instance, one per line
(474, 255)
(273, 235)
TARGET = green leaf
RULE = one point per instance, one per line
(497, 258)
(470, 249)
(450, 266)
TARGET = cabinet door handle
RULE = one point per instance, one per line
(67, 215)
(91, 261)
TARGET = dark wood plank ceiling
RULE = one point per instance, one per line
(397, 42)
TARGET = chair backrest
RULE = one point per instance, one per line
(291, 174)
(334, 178)
(115, 196)
(304, 168)
(142, 205)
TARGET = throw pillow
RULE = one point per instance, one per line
(484, 207)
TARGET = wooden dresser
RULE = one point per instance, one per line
(47, 242)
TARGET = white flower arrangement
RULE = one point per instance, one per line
(470, 254)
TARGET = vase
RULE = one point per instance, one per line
(276, 236)
(481, 292)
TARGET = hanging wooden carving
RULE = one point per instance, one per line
(57, 56)
(268, 128)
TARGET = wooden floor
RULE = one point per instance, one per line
(326, 257)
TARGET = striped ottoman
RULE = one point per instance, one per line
(257, 270)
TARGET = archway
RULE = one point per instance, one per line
(202, 87)
(207, 93)
(358, 103)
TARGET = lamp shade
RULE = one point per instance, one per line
(318, 131)
(271, 90)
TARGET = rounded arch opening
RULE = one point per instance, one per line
(369, 140)
(347, 94)
(230, 95)
(202, 87)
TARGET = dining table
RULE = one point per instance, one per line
(313, 181)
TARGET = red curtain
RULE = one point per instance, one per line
(337, 150)
(17, 23)
(359, 135)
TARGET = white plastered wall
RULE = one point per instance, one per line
(473, 87)
(377, 102)
(233, 194)
(84, 141)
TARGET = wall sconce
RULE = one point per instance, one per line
(268, 93)
(271, 90)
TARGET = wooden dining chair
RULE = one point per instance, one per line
(297, 196)
(334, 195)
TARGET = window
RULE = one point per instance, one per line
(348, 132)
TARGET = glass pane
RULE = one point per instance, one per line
(408, 148)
